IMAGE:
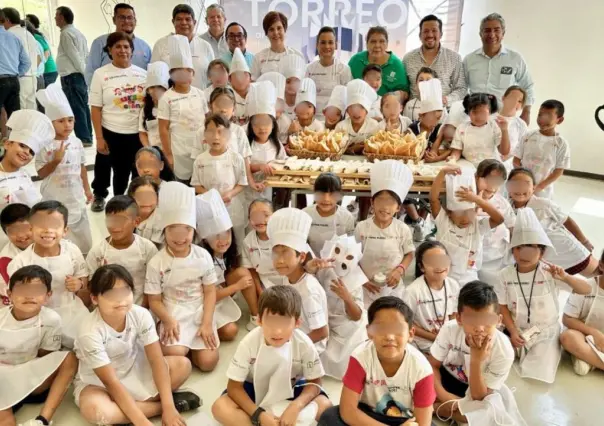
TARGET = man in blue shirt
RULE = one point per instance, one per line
(236, 36)
(14, 62)
(124, 19)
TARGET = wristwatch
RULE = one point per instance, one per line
(256, 416)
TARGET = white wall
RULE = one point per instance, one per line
(561, 43)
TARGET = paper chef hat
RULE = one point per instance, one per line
(360, 92)
(261, 99)
(278, 81)
(158, 74)
(31, 128)
(431, 95)
(290, 227)
(292, 65)
(212, 215)
(528, 229)
(307, 92)
(55, 102)
(238, 63)
(177, 205)
(180, 52)
(453, 183)
(391, 175)
(337, 98)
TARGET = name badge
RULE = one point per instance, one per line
(506, 70)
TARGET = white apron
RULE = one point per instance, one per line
(460, 257)
(380, 256)
(539, 359)
(540, 158)
(134, 262)
(191, 116)
(227, 310)
(188, 312)
(595, 319)
(151, 229)
(272, 382)
(24, 370)
(497, 409)
(262, 259)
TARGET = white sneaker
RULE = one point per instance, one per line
(32, 422)
(581, 367)
(252, 323)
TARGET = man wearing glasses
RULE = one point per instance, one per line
(124, 19)
(236, 36)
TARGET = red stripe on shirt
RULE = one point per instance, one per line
(424, 393)
(354, 379)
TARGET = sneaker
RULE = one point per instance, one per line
(87, 144)
(252, 323)
(419, 231)
(98, 205)
(32, 422)
(186, 401)
(581, 367)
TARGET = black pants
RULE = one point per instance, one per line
(40, 86)
(76, 91)
(451, 384)
(102, 176)
(122, 152)
(9, 94)
(49, 78)
(331, 417)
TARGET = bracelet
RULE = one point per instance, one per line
(400, 265)
(255, 418)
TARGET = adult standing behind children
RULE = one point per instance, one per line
(236, 36)
(117, 94)
(215, 35)
(124, 18)
(50, 66)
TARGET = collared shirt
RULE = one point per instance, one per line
(394, 76)
(30, 45)
(50, 64)
(73, 51)
(227, 57)
(219, 46)
(448, 67)
(13, 56)
(141, 56)
(494, 75)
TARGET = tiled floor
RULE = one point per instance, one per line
(571, 401)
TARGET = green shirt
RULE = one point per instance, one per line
(49, 65)
(394, 75)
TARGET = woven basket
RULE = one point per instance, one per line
(371, 156)
(333, 156)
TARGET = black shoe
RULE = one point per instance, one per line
(186, 401)
(98, 205)
(87, 144)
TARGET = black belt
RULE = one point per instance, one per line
(2, 76)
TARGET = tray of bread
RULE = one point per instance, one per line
(325, 144)
(395, 145)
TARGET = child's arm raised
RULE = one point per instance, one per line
(438, 185)
(495, 216)
(504, 143)
(161, 377)
(52, 165)
(579, 285)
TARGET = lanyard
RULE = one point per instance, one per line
(434, 303)
(528, 304)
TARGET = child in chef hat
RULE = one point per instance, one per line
(335, 108)
(181, 110)
(358, 126)
(293, 68)
(458, 227)
(241, 80)
(306, 108)
(390, 106)
(260, 387)
(181, 282)
(288, 231)
(62, 165)
(283, 120)
(156, 85)
(431, 112)
(30, 132)
(215, 229)
(528, 298)
(372, 74)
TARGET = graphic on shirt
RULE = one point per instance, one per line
(389, 407)
(129, 97)
(458, 372)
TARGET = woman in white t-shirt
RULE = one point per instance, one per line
(269, 59)
(117, 94)
(327, 71)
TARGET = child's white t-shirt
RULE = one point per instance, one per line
(404, 124)
(305, 358)
(49, 336)
(478, 143)
(238, 142)
(411, 387)
(258, 254)
(152, 129)
(222, 172)
(376, 110)
(578, 305)
(326, 78)
(240, 113)
(315, 126)
(9, 251)
(457, 115)
(314, 307)
(369, 128)
(451, 349)
(323, 228)
(120, 92)
(151, 228)
(424, 300)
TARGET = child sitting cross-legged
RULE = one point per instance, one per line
(275, 374)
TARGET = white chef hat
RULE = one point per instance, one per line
(337, 98)
(177, 205)
(528, 229)
(290, 227)
(31, 128)
(180, 52)
(360, 92)
(278, 81)
(292, 65)
(431, 95)
(391, 175)
(55, 102)
(307, 92)
(454, 183)
(261, 99)
(238, 63)
(212, 215)
(158, 74)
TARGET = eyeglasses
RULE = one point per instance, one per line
(236, 36)
(126, 18)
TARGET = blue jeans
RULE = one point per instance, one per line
(76, 91)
